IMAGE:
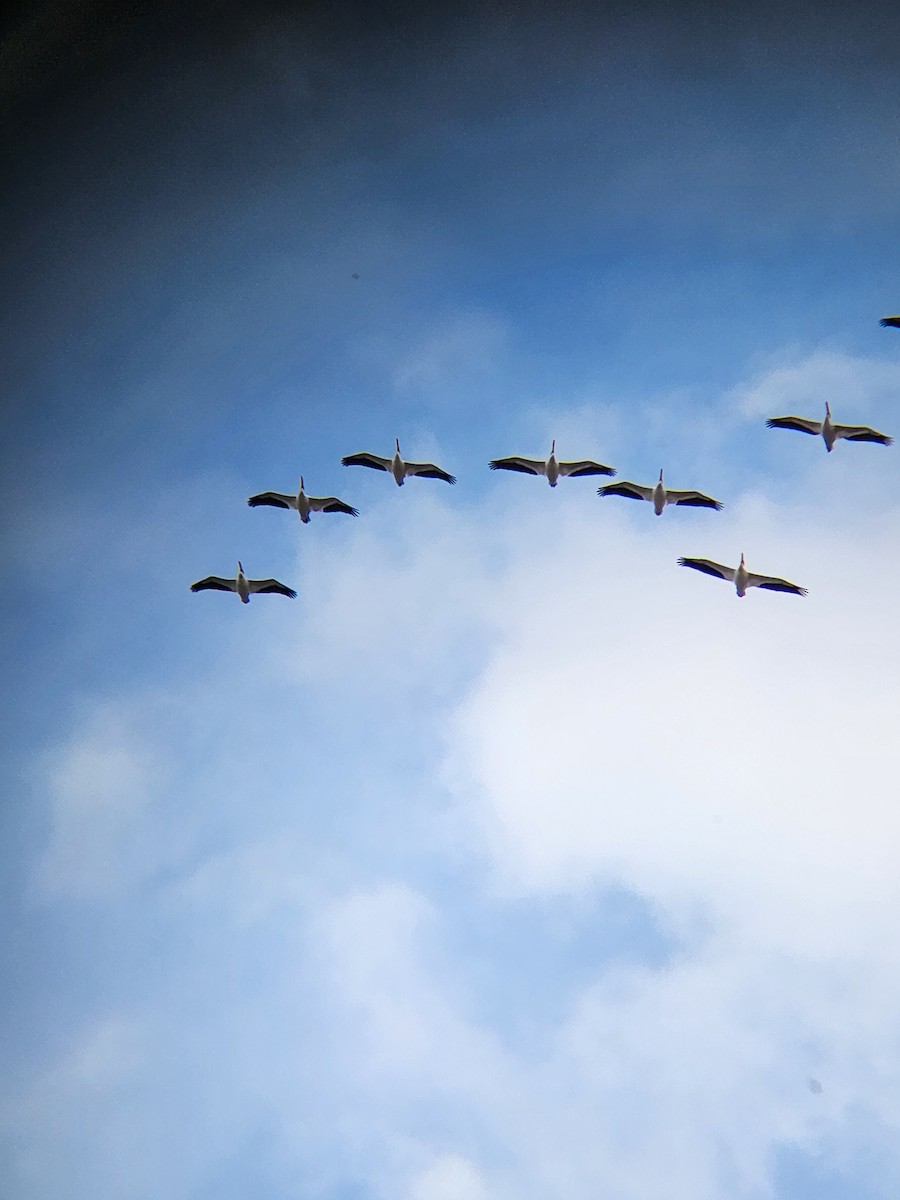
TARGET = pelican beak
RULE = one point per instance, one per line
(660, 474)
(240, 568)
(397, 444)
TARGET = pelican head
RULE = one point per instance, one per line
(397, 444)
(240, 568)
(827, 409)
(553, 448)
(742, 558)
(301, 483)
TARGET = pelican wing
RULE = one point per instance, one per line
(428, 471)
(772, 584)
(862, 433)
(586, 467)
(891, 322)
(271, 585)
(528, 466)
(364, 459)
(694, 500)
(633, 491)
(801, 424)
(214, 583)
(708, 567)
(331, 504)
(273, 500)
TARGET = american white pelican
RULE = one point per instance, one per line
(829, 431)
(396, 466)
(891, 322)
(302, 504)
(244, 587)
(552, 468)
(741, 577)
(659, 495)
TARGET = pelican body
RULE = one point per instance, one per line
(244, 587)
(552, 468)
(396, 466)
(302, 504)
(658, 495)
(741, 577)
(829, 431)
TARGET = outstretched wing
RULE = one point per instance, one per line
(708, 567)
(862, 433)
(428, 471)
(586, 467)
(364, 459)
(271, 585)
(331, 504)
(891, 322)
(800, 424)
(273, 500)
(694, 500)
(214, 583)
(527, 466)
(770, 583)
(632, 491)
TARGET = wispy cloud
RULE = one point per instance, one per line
(858, 389)
(458, 353)
(327, 895)
(610, 747)
(524, 697)
(100, 792)
(450, 1177)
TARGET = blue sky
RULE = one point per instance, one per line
(509, 860)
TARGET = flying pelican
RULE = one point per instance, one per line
(741, 577)
(244, 587)
(552, 468)
(891, 322)
(829, 431)
(302, 503)
(396, 466)
(659, 495)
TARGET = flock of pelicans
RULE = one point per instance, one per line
(553, 470)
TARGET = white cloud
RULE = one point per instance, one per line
(604, 718)
(109, 1054)
(404, 1030)
(454, 354)
(685, 1082)
(450, 1177)
(642, 725)
(858, 389)
(394, 603)
(100, 788)
(631, 723)
(84, 1098)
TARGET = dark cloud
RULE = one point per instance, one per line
(162, 160)
(56, 49)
